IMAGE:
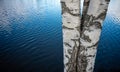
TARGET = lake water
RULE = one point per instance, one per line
(108, 55)
(31, 37)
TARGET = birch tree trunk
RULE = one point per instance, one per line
(81, 36)
(93, 17)
(71, 33)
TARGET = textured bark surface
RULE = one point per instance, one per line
(81, 34)
(71, 32)
(93, 16)
(84, 12)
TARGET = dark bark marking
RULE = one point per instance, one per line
(64, 27)
(66, 9)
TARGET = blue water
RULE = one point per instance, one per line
(31, 36)
(108, 55)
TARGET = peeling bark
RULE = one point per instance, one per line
(71, 33)
(93, 16)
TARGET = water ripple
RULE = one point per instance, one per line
(31, 36)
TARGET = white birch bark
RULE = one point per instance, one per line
(91, 29)
(79, 55)
(71, 32)
(81, 66)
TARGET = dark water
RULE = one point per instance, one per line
(108, 55)
(30, 36)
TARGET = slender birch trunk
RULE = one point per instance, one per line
(71, 33)
(81, 36)
(91, 29)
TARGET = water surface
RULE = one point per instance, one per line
(108, 55)
(31, 36)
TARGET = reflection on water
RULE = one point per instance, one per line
(108, 56)
(31, 36)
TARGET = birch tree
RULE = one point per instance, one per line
(71, 33)
(81, 34)
(90, 33)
